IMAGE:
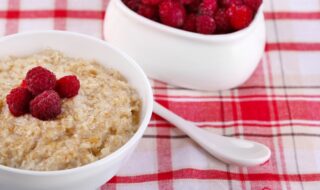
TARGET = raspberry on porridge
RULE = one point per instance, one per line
(102, 117)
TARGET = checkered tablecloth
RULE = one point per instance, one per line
(278, 106)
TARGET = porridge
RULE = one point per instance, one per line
(100, 119)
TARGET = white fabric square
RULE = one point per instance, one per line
(143, 159)
(137, 186)
(273, 59)
(307, 152)
(295, 34)
(86, 26)
(301, 68)
(2, 29)
(296, 5)
(37, 4)
(4, 5)
(289, 155)
(310, 185)
(85, 5)
(194, 184)
(271, 33)
(35, 24)
(187, 154)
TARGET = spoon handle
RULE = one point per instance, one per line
(230, 150)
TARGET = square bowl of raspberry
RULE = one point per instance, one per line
(198, 44)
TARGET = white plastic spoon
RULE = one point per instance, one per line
(229, 150)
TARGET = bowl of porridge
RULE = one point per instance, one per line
(95, 131)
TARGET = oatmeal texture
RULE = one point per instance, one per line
(100, 119)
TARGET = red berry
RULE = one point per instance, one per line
(222, 21)
(23, 84)
(151, 2)
(205, 24)
(172, 13)
(132, 4)
(148, 11)
(201, 16)
(68, 86)
(46, 106)
(253, 4)
(193, 7)
(240, 16)
(190, 23)
(208, 7)
(186, 2)
(40, 79)
(18, 101)
(228, 3)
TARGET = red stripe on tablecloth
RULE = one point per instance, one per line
(267, 97)
(236, 113)
(260, 76)
(214, 174)
(164, 154)
(292, 46)
(98, 14)
(57, 13)
(12, 26)
(242, 123)
(222, 114)
(251, 87)
(291, 15)
(255, 134)
(60, 14)
(256, 110)
(275, 116)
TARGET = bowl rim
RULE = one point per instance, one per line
(187, 34)
(135, 138)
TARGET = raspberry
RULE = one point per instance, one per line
(222, 21)
(172, 13)
(148, 11)
(23, 84)
(186, 2)
(226, 15)
(208, 7)
(40, 79)
(253, 4)
(18, 101)
(240, 16)
(193, 7)
(205, 24)
(132, 4)
(190, 23)
(151, 2)
(68, 86)
(46, 106)
(228, 3)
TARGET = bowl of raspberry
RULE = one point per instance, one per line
(198, 44)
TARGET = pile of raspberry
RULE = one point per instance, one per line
(40, 94)
(200, 16)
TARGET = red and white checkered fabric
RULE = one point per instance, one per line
(278, 106)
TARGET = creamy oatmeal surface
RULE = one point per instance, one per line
(92, 125)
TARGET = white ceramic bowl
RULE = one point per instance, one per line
(191, 60)
(93, 175)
